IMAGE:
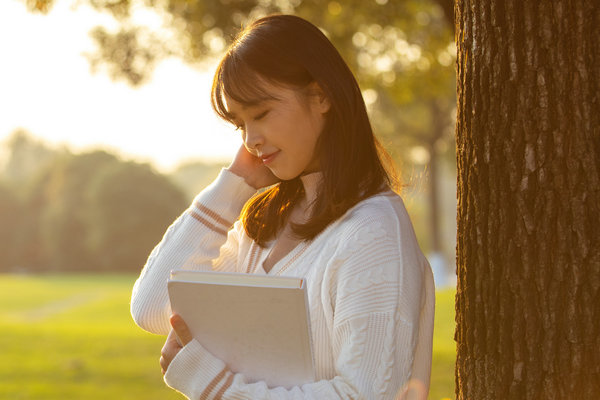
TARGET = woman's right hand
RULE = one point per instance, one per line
(252, 169)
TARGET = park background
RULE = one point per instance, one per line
(107, 134)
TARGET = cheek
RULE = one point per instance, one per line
(299, 131)
(307, 135)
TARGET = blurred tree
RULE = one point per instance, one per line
(402, 51)
(129, 207)
(26, 157)
(25, 171)
(528, 147)
(28, 241)
(10, 217)
(65, 208)
(79, 212)
(192, 177)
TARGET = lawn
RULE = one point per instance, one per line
(71, 337)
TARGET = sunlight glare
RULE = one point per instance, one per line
(46, 88)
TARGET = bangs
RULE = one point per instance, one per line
(236, 80)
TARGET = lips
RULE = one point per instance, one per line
(268, 158)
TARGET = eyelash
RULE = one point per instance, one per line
(261, 115)
(257, 118)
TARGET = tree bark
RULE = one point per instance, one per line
(528, 240)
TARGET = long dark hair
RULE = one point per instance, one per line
(289, 50)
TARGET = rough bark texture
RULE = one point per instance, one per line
(528, 244)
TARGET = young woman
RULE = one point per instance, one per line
(327, 214)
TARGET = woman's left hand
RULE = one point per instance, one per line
(179, 336)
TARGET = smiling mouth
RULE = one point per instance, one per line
(268, 158)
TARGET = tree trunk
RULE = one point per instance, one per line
(528, 241)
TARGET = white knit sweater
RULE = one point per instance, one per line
(370, 292)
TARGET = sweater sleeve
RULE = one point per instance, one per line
(193, 241)
(374, 293)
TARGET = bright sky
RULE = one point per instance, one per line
(46, 88)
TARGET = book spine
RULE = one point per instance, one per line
(309, 324)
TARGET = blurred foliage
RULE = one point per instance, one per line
(63, 216)
(89, 211)
(27, 156)
(193, 176)
(10, 210)
(130, 207)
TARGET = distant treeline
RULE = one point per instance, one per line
(91, 211)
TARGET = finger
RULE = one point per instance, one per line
(163, 365)
(172, 339)
(181, 329)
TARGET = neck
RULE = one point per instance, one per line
(311, 184)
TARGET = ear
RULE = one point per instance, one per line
(322, 100)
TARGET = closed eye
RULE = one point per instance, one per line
(261, 115)
(241, 127)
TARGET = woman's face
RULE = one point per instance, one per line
(283, 131)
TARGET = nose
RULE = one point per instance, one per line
(253, 139)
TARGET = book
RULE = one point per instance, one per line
(259, 325)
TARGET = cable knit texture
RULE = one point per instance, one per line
(370, 292)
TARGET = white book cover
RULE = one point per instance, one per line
(259, 325)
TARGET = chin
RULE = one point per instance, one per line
(285, 176)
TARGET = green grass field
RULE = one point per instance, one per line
(71, 337)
